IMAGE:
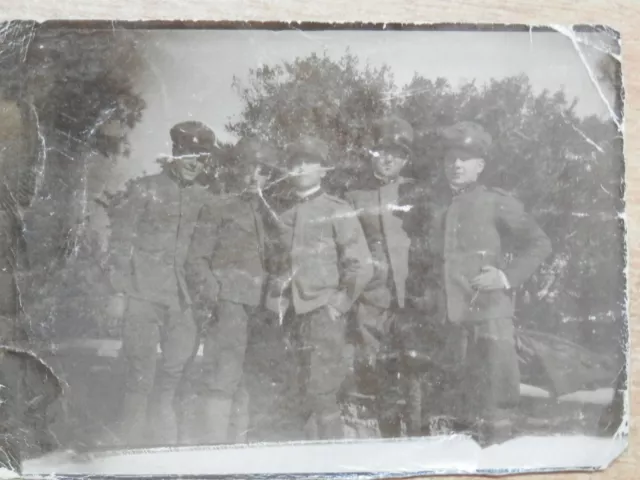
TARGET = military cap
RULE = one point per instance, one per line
(254, 150)
(393, 131)
(194, 136)
(307, 146)
(467, 136)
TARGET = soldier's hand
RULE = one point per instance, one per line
(204, 312)
(490, 278)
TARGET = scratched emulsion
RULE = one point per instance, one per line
(88, 122)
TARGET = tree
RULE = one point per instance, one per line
(566, 169)
(77, 88)
(334, 100)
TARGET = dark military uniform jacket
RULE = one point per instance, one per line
(380, 211)
(151, 231)
(320, 256)
(474, 230)
(226, 257)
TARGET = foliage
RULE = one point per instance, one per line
(566, 169)
(336, 101)
(78, 87)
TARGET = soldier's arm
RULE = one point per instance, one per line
(379, 270)
(356, 268)
(203, 285)
(531, 244)
(123, 216)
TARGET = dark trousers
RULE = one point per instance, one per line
(485, 388)
(218, 410)
(146, 326)
(268, 369)
(317, 347)
(368, 336)
(379, 369)
(225, 345)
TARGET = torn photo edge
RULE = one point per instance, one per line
(616, 116)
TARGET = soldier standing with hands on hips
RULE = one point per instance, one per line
(151, 233)
(478, 282)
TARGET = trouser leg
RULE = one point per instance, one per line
(326, 362)
(186, 397)
(268, 366)
(491, 379)
(140, 341)
(178, 339)
(239, 421)
(370, 335)
(393, 386)
(375, 373)
(223, 363)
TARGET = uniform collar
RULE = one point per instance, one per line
(382, 181)
(457, 191)
(309, 194)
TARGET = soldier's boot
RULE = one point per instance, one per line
(163, 420)
(131, 430)
(215, 416)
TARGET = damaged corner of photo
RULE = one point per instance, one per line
(311, 250)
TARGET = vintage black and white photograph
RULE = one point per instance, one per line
(311, 249)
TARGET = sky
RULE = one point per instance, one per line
(188, 74)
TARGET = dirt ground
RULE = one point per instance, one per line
(86, 416)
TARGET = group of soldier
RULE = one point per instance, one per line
(356, 293)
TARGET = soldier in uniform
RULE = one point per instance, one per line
(150, 235)
(225, 273)
(381, 208)
(476, 227)
(323, 264)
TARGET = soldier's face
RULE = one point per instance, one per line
(388, 163)
(256, 179)
(307, 174)
(462, 168)
(189, 165)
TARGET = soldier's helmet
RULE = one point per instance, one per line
(467, 136)
(193, 137)
(309, 148)
(393, 132)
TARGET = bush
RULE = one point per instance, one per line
(567, 170)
